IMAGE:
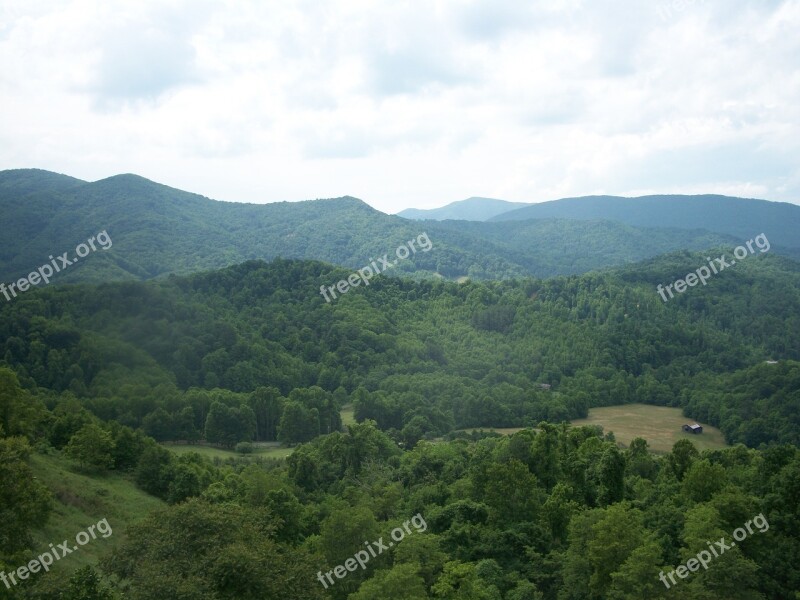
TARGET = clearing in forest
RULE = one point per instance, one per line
(661, 426)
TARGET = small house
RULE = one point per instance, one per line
(693, 428)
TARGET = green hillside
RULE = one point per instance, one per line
(156, 230)
(742, 218)
(94, 375)
(420, 358)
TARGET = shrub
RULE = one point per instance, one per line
(244, 448)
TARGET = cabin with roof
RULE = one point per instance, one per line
(693, 428)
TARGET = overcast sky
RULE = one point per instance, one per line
(408, 103)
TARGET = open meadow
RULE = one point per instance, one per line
(661, 426)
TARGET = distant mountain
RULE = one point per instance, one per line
(157, 230)
(471, 209)
(742, 218)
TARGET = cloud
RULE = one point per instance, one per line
(399, 102)
(141, 63)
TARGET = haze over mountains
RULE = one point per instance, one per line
(471, 209)
(721, 214)
(158, 230)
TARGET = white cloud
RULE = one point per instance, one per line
(408, 103)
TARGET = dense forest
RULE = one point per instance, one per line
(256, 343)
(555, 513)
(99, 374)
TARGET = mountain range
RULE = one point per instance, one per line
(158, 230)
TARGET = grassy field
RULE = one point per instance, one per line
(211, 451)
(80, 500)
(659, 425)
(348, 416)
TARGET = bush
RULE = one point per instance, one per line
(244, 448)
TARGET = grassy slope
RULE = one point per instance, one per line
(348, 414)
(81, 500)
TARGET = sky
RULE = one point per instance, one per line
(408, 104)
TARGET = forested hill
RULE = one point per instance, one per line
(420, 358)
(157, 230)
(739, 217)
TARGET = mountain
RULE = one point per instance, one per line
(416, 356)
(742, 218)
(156, 230)
(471, 209)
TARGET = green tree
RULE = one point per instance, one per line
(703, 479)
(612, 476)
(85, 584)
(615, 536)
(159, 425)
(512, 492)
(401, 582)
(638, 576)
(216, 552)
(298, 423)
(24, 502)
(228, 426)
(92, 446)
(19, 411)
(154, 469)
(460, 581)
(682, 456)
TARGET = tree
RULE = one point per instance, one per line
(183, 425)
(640, 462)
(217, 552)
(512, 492)
(614, 538)
(92, 446)
(558, 510)
(343, 533)
(612, 476)
(227, 426)
(401, 582)
(460, 581)
(154, 469)
(159, 425)
(425, 553)
(85, 584)
(19, 411)
(298, 423)
(128, 446)
(682, 456)
(69, 417)
(267, 405)
(703, 479)
(24, 501)
(638, 576)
